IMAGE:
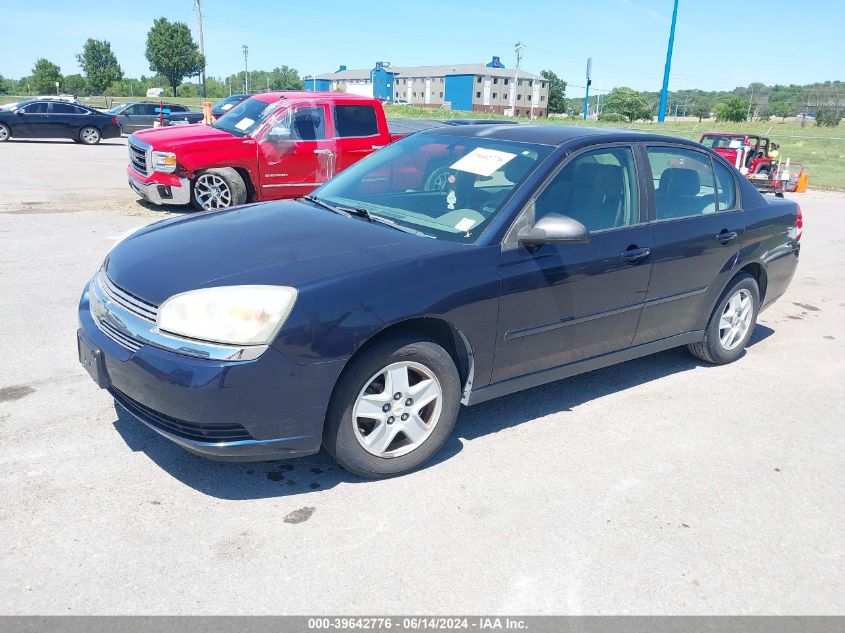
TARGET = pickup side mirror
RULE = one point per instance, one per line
(554, 228)
(279, 133)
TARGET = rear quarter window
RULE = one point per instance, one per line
(725, 187)
(357, 120)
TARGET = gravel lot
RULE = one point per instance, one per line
(658, 486)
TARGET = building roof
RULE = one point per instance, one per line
(431, 71)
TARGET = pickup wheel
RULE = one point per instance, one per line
(393, 408)
(89, 135)
(218, 189)
(731, 323)
(5, 132)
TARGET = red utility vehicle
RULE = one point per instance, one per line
(749, 153)
(272, 145)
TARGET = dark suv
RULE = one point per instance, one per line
(141, 116)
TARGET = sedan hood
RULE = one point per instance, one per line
(287, 243)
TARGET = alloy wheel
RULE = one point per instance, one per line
(212, 192)
(4, 133)
(397, 409)
(736, 319)
(90, 135)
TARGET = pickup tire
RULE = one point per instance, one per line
(731, 324)
(218, 188)
(5, 133)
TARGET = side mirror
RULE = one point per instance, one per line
(20, 112)
(279, 133)
(555, 229)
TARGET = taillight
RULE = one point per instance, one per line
(799, 224)
(114, 120)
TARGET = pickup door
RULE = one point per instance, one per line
(294, 155)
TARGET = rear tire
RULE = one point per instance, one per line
(731, 324)
(5, 133)
(402, 434)
(215, 189)
(89, 135)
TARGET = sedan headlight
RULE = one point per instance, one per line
(164, 162)
(237, 315)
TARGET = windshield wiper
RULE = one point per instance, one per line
(362, 213)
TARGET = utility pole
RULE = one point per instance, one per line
(664, 93)
(806, 111)
(517, 49)
(589, 81)
(246, 68)
(198, 10)
(750, 103)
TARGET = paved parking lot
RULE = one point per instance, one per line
(657, 486)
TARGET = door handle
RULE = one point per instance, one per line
(635, 254)
(323, 151)
(725, 236)
(377, 146)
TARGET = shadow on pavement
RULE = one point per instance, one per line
(258, 480)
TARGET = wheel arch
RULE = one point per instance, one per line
(439, 331)
(246, 175)
(758, 271)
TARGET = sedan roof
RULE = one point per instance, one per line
(555, 134)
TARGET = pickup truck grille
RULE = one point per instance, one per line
(138, 157)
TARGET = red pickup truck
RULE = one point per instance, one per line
(272, 145)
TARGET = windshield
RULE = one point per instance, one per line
(117, 109)
(723, 141)
(447, 187)
(228, 103)
(246, 116)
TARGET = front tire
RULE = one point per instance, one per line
(216, 189)
(5, 133)
(89, 135)
(393, 408)
(731, 324)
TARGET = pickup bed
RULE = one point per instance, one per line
(270, 146)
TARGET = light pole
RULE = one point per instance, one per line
(198, 9)
(517, 49)
(661, 113)
(589, 81)
(246, 68)
(57, 88)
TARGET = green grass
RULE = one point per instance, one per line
(823, 159)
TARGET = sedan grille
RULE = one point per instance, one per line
(125, 300)
(182, 428)
(138, 157)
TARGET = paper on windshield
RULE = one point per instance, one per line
(482, 162)
(465, 225)
(244, 123)
(735, 144)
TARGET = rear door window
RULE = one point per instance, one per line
(355, 120)
(683, 182)
(63, 108)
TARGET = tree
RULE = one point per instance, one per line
(99, 64)
(557, 92)
(172, 52)
(702, 108)
(75, 85)
(628, 102)
(4, 86)
(828, 117)
(285, 78)
(781, 108)
(735, 110)
(45, 74)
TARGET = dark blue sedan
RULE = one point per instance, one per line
(454, 266)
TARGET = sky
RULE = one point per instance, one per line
(715, 45)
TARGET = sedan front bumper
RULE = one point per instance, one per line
(160, 188)
(254, 410)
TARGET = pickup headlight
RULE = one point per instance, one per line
(164, 162)
(236, 315)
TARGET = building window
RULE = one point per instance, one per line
(494, 95)
(478, 80)
(506, 82)
(542, 97)
(519, 97)
(529, 97)
(520, 82)
(441, 95)
(495, 80)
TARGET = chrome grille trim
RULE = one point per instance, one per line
(139, 155)
(118, 337)
(131, 303)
